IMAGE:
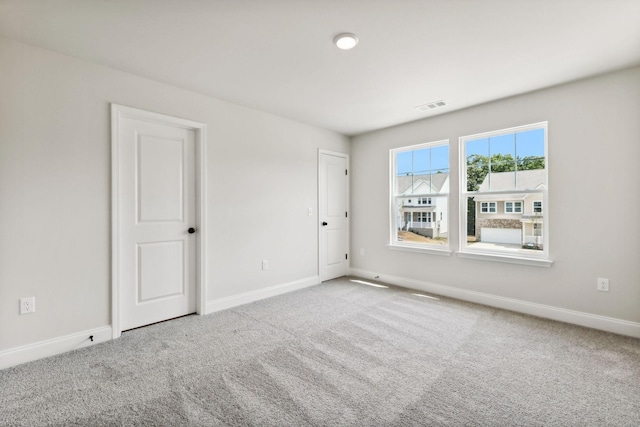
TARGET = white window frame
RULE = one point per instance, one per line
(524, 256)
(489, 206)
(513, 206)
(533, 207)
(394, 243)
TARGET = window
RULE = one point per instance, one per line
(537, 207)
(510, 166)
(420, 173)
(537, 230)
(488, 207)
(513, 207)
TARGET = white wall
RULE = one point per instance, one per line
(55, 190)
(55, 193)
(594, 220)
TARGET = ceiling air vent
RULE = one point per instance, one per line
(431, 105)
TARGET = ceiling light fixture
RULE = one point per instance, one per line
(346, 41)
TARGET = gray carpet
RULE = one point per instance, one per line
(337, 354)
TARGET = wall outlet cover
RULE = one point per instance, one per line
(603, 284)
(27, 305)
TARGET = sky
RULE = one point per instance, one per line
(423, 161)
(436, 159)
(521, 144)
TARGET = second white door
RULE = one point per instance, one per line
(157, 221)
(334, 221)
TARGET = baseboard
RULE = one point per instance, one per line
(247, 297)
(52, 347)
(609, 324)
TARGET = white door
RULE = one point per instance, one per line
(156, 208)
(333, 201)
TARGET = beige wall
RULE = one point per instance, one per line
(594, 150)
(55, 190)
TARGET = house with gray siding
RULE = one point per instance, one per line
(511, 218)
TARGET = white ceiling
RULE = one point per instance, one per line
(278, 56)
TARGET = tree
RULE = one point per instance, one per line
(477, 169)
(530, 162)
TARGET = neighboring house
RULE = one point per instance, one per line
(514, 218)
(424, 215)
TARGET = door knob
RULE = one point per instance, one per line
(324, 223)
(191, 230)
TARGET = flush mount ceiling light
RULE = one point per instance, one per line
(346, 41)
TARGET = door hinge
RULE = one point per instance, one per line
(346, 172)
(346, 256)
(345, 215)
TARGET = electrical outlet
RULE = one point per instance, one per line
(603, 284)
(27, 305)
(265, 264)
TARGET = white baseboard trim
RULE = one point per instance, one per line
(247, 297)
(39, 350)
(603, 323)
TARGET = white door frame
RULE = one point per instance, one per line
(118, 112)
(348, 230)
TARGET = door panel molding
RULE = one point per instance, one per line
(118, 113)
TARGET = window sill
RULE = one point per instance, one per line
(433, 250)
(510, 259)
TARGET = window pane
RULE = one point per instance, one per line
(516, 233)
(477, 156)
(502, 151)
(422, 223)
(440, 159)
(404, 163)
(531, 160)
(421, 161)
(530, 149)
(478, 147)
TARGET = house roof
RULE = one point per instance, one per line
(520, 180)
(421, 184)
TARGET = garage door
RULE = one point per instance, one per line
(501, 235)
